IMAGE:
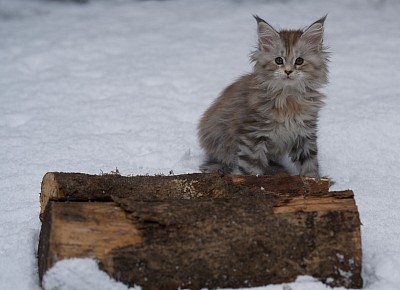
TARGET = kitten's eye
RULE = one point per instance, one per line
(279, 61)
(299, 61)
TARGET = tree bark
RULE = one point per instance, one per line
(84, 187)
(233, 241)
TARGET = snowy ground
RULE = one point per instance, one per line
(121, 84)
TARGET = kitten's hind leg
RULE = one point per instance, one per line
(213, 166)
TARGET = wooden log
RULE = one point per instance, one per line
(84, 187)
(238, 242)
(83, 229)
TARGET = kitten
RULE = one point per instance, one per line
(272, 112)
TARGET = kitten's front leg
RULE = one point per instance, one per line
(247, 166)
(248, 161)
(304, 155)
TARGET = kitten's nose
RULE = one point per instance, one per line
(288, 72)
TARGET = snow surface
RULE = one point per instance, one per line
(122, 84)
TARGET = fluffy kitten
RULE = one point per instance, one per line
(272, 112)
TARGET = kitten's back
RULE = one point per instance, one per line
(218, 126)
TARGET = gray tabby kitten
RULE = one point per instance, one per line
(272, 112)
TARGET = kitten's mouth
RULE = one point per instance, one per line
(289, 81)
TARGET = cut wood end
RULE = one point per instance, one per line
(49, 189)
(88, 230)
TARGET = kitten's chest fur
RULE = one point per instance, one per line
(289, 110)
(284, 117)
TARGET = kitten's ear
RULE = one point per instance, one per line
(314, 34)
(267, 35)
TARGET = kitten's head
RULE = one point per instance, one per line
(291, 58)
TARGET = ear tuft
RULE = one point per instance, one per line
(313, 35)
(267, 35)
(258, 18)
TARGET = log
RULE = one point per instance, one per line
(84, 187)
(226, 242)
(82, 229)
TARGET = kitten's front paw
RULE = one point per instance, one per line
(311, 173)
(309, 168)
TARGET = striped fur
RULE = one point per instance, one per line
(272, 112)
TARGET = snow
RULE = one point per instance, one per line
(86, 273)
(122, 84)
